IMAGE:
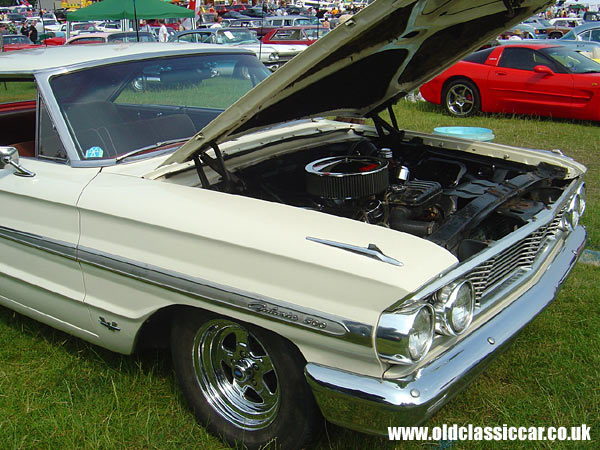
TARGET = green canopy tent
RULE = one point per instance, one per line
(128, 9)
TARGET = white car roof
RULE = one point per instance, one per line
(47, 58)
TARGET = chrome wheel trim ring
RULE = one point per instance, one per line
(236, 374)
(460, 99)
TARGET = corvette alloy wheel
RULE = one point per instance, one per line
(461, 98)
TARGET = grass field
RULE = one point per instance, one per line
(57, 391)
(17, 91)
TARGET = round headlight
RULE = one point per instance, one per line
(573, 211)
(582, 196)
(405, 336)
(454, 308)
(421, 334)
(273, 56)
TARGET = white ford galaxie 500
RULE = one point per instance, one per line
(299, 268)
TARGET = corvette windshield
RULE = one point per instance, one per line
(574, 61)
(117, 109)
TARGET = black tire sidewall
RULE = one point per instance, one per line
(298, 420)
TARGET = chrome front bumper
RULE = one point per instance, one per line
(371, 404)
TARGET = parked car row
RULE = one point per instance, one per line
(271, 55)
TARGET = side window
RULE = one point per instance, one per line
(517, 58)
(18, 115)
(188, 38)
(541, 60)
(595, 35)
(49, 145)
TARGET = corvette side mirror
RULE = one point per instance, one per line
(9, 156)
(543, 69)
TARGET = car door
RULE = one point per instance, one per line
(516, 87)
(39, 229)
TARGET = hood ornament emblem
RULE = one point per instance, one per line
(372, 251)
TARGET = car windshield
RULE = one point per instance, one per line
(316, 33)
(131, 37)
(235, 37)
(543, 22)
(574, 61)
(8, 39)
(118, 109)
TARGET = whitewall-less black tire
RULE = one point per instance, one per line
(244, 383)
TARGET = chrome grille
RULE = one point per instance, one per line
(518, 257)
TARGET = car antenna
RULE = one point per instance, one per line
(262, 19)
(137, 25)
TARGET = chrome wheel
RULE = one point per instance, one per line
(461, 100)
(236, 374)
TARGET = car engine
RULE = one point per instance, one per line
(459, 201)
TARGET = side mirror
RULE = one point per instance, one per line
(9, 156)
(543, 69)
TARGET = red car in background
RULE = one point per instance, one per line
(538, 79)
(16, 42)
(294, 35)
(169, 23)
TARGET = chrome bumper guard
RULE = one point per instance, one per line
(370, 404)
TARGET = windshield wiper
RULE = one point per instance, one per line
(149, 147)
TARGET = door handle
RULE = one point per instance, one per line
(501, 73)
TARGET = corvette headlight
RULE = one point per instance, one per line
(274, 57)
(405, 336)
(454, 307)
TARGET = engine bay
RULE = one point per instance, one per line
(459, 201)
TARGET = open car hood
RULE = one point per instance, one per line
(359, 68)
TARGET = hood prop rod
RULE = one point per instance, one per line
(382, 126)
(392, 117)
(200, 171)
(218, 165)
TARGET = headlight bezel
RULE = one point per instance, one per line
(394, 333)
(445, 303)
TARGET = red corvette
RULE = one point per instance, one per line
(544, 80)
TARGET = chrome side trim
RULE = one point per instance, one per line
(214, 293)
(372, 251)
(255, 304)
(54, 246)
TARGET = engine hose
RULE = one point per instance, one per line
(400, 220)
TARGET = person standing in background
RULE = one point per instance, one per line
(217, 24)
(163, 34)
(144, 26)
